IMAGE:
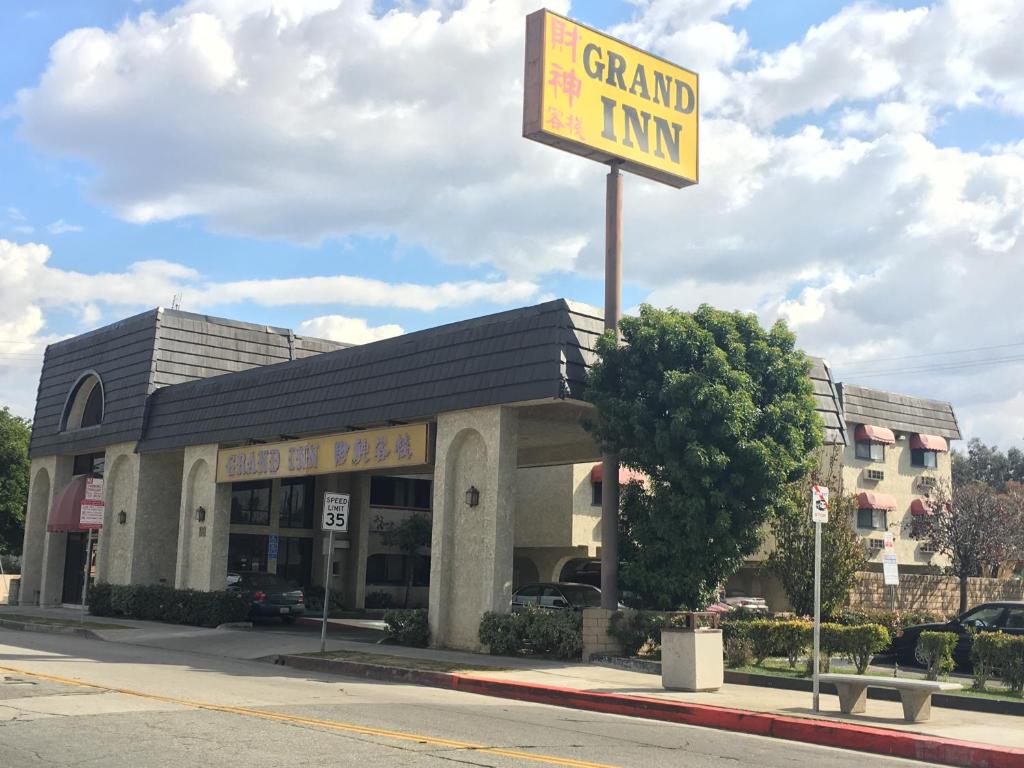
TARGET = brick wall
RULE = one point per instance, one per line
(596, 640)
(935, 594)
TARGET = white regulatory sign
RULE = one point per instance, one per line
(890, 570)
(336, 512)
(819, 503)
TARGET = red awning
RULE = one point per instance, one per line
(871, 500)
(625, 475)
(929, 443)
(66, 511)
(918, 507)
(870, 434)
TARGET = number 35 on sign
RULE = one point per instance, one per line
(336, 512)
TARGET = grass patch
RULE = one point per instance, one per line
(402, 662)
(51, 622)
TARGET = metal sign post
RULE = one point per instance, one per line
(336, 507)
(819, 514)
(85, 574)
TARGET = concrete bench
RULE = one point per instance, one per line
(916, 695)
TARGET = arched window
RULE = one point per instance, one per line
(84, 407)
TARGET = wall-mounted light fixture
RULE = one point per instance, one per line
(200, 514)
(472, 496)
(122, 517)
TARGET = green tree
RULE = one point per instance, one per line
(718, 412)
(14, 476)
(792, 559)
(410, 536)
(987, 464)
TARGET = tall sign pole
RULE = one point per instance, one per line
(819, 514)
(610, 461)
(604, 99)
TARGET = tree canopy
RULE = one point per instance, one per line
(987, 464)
(14, 476)
(718, 412)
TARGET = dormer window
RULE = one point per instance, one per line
(85, 404)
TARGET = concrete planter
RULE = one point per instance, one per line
(691, 659)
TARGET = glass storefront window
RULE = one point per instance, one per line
(297, 503)
(247, 552)
(295, 560)
(404, 492)
(250, 503)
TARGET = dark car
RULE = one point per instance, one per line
(269, 595)
(556, 596)
(990, 617)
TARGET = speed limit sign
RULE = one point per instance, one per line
(336, 512)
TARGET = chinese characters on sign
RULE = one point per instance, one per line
(371, 449)
(599, 97)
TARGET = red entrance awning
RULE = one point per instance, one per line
(929, 443)
(66, 510)
(865, 433)
(625, 475)
(919, 507)
(871, 500)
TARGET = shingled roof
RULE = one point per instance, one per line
(534, 353)
(827, 402)
(903, 413)
(137, 355)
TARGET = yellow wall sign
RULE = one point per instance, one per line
(388, 448)
(602, 98)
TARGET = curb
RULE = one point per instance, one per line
(49, 629)
(860, 738)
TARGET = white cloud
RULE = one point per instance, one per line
(60, 227)
(312, 120)
(350, 330)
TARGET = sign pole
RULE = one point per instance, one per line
(85, 573)
(817, 614)
(610, 461)
(327, 590)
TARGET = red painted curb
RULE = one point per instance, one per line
(828, 733)
(860, 738)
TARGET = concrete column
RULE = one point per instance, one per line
(202, 559)
(40, 496)
(158, 506)
(55, 544)
(115, 550)
(359, 538)
(471, 549)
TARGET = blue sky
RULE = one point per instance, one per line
(792, 124)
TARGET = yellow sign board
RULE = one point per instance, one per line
(388, 448)
(602, 98)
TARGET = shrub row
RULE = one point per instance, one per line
(636, 630)
(314, 595)
(996, 654)
(794, 638)
(935, 651)
(891, 620)
(155, 602)
(408, 626)
(550, 633)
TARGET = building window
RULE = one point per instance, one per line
(404, 492)
(295, 560)
(928, 548)
(297, 503)
(919, 457)
(247, 552)
(250, 503)
(596, 497)
(389, 570)
(869, 451)
(872, 519)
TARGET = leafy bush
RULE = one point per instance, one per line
(156, 602)
(408, 626)
(739, 652)
(315, 599)
(555, 633)
(379, 600)
(864, 641)
(636, 629)
(986, 652)
(935, 651)
(1011, 662)
(893, 621)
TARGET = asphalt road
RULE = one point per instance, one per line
(70, 701)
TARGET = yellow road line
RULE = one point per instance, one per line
(327, 724)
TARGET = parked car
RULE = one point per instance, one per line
(584, 572)
(557, 596)
(1007, 616)
(269, 595)
(743, 602)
